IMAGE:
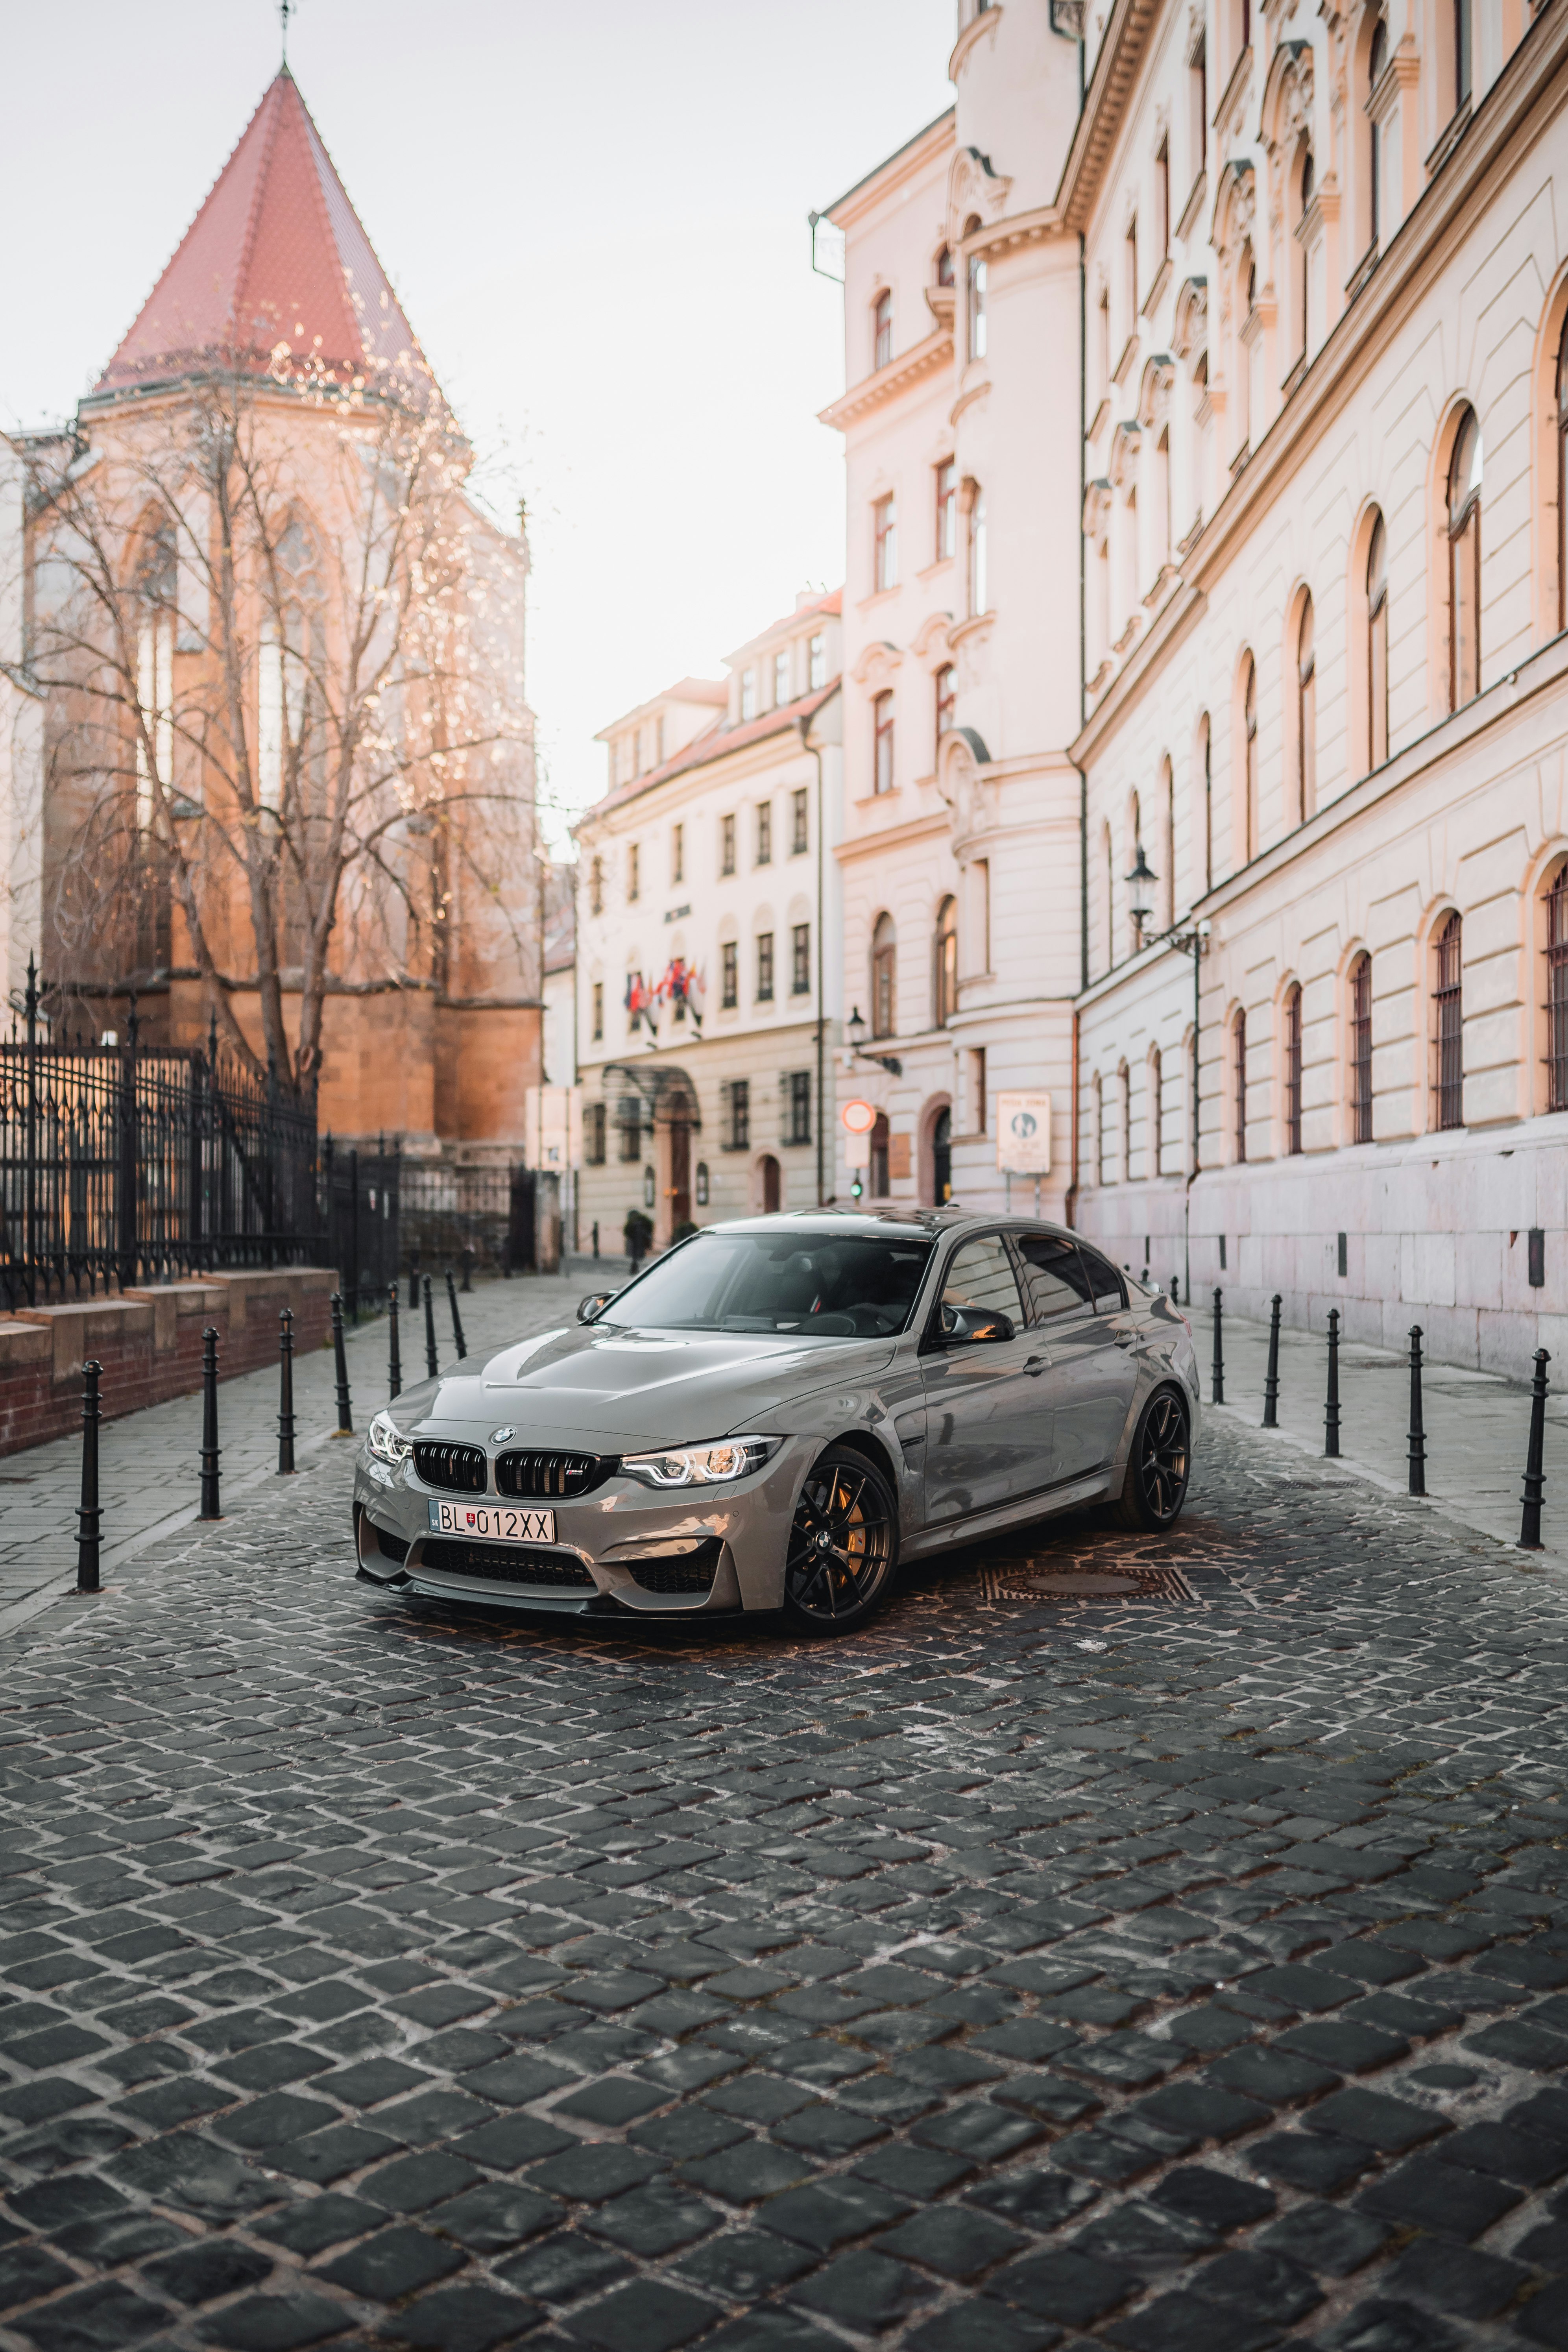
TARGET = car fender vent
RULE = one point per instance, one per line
(689, 1572)
(550, 1476)
(460, 1469)
(392, 1547)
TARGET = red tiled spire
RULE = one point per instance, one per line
(274, 257)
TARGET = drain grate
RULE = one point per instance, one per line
(1019, 1581)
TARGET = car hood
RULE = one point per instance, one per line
(623, 1387)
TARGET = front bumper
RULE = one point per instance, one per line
(623, 1546)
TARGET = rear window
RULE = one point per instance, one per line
(1055, 1279)
(833, 1286)
(1106, 1286)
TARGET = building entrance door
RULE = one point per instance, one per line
(769, 1185)
(679, 1175)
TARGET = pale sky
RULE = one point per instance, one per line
(594, 215)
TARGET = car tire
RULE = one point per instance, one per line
(1159, 1466)
(843, 1545)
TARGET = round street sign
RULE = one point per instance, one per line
(858, 1116)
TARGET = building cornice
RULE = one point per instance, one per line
(981, 27)
(1442, 217)
(1105, 104)
(900, 165)
(1017, 228)
(910, 367)
(893, 836)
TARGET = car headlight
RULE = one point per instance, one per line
(717, 1464)
(387, 1440)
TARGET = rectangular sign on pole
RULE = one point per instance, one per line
(1024, 1134)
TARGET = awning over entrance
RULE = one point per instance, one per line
(665, 1094)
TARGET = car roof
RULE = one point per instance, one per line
(916, 1224)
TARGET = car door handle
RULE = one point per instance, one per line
(1036, 1365)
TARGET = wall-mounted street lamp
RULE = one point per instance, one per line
(856, 1027)
(1141, 892)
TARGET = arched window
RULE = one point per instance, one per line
(1124, 1139)
(882, 742)
(1376, 64)
(1305, 714)
(1377, 647)
(1238, 1081)
(946, 699)
(1304, 203)
(1162, 498)
(1293, 1070)
(1563, 479)
(1249, 758)
(1557, 990)
(1156, 1113)
(946, 962)
(882, 330)
(1448, 1025)
(884, 978)
(283, 696)
(1360, 1050)
(1465, 563)
(155, 676)
(979, 582)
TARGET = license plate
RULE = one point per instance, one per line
(492, 1523)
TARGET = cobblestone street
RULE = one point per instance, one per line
(1151, 1947)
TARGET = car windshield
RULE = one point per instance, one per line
(824, 1286)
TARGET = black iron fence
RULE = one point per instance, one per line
(360, 1209)
(121, 1164)
(447, 1212)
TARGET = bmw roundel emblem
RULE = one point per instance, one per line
(500, 1436)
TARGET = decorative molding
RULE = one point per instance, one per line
(910, 367)
(878, 662)
(981, 25)
(973, 188)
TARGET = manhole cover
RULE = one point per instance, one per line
(1016, 1580)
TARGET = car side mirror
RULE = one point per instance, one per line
(965, 1327)
(589, 1309)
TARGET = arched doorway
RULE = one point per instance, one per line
(768, 1171)
(942, 1156)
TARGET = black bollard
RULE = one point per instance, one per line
(1271, 1376)
(1175, 1290)
(1218, 1397)
(595, 1237)
(1331, 1409)
(89, 1518)
(345, 1410)
(1534, 1479)
(462, 1346)
(285, 1391)
(429, 1330)
(1417, 1427)
(211, 1507)
(468, 1271)
(395, 1365)
(414, 1279)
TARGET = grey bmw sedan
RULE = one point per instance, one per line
(778, 1411)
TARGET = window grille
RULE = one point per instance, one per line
(1557, 991)
(1448, 1103)
(1293, 1071)
(1360, 1050)
(1239, 1036)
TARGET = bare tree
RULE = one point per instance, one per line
(284, 655)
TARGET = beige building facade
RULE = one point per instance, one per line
(706, 970)
(1326, 288)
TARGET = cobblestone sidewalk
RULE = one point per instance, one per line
(1064, 1962)
(150, 1472)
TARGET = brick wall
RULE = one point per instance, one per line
(150, 1345)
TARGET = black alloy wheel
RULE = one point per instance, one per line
(842, 1543)
(1159, 1464)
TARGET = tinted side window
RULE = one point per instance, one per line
(1106, 1286)
(981, 1275)
(1054, 1279)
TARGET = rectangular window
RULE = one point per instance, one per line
(800, 839)
(764, 967)
(729, 969)
(634, 876)
(1360, 1050)
(977, 289)
(677, 853)
(1293, 1071)
(740, 1114)
(781, 678)
(882, 744)
(1449, 1104)
(975, 1106)
(882, 330)
(596, 886)
(798, 1128)
(946, 508)
(598, 1009)
(593, 1135)
(885, 542)
(946, 698)
(765, 832)
(1162, 198)
(800, 959)
(1238, 1040)
(1199, 105)
(1557, 993)
(726, 845)
(748, 694)
(629, 1117)
(816, 662)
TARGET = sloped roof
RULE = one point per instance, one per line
(275, 273)
(715, 742)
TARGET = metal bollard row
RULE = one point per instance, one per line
(456, 1319)
(1219, 1371)
(430, 1363)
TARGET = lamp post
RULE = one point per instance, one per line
(855, 1026)
(1141, 891)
